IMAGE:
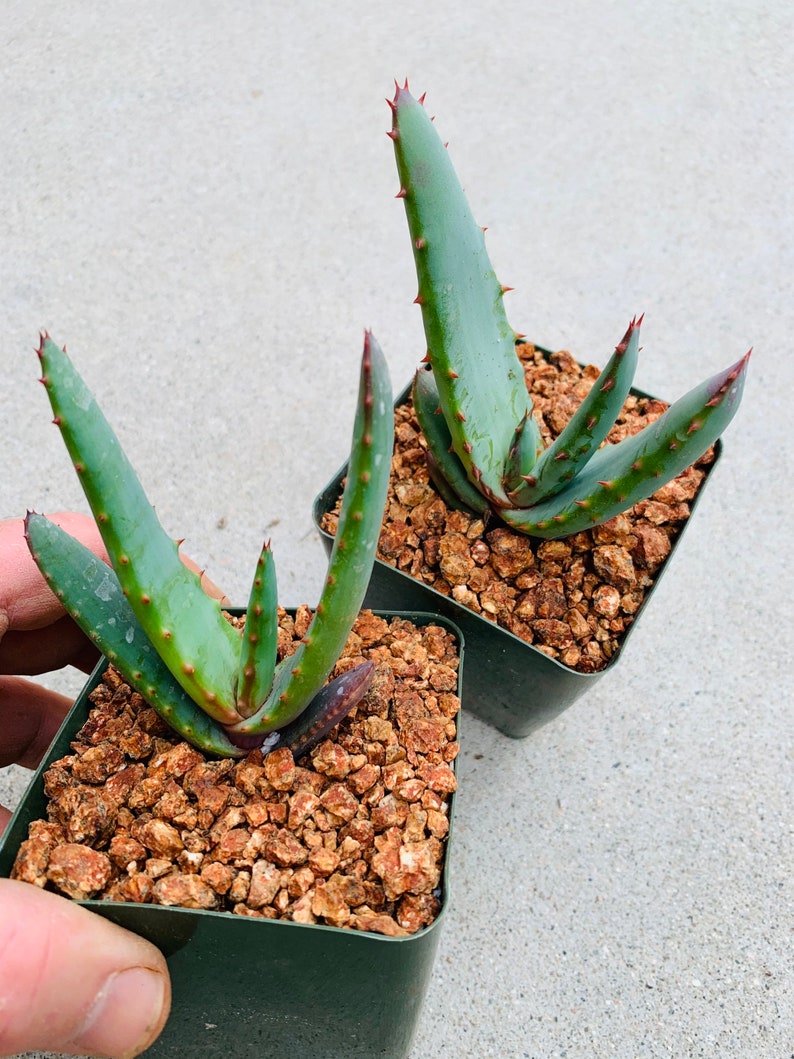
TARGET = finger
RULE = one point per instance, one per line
(30, 715)
(35, 634)
(74, 983)
(57, 645)
(25, 600)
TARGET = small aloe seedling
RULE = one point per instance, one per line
(484, 446)
(222, 690)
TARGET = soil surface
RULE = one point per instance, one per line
(351, 835)
(572, 598)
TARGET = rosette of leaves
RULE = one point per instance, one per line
(221, 688)
(484, 446)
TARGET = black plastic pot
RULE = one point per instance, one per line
(509, 683)
(263, 988)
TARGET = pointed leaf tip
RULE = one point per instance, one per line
(634, 325)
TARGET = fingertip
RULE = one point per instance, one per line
(127, 1015)
(73, 982)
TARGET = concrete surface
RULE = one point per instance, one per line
(198, 200)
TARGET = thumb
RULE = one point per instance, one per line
(72, 982)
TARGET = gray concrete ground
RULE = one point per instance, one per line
(198, 200)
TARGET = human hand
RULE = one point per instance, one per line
(70, 981)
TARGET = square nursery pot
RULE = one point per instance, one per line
(265, 988)
(509, 683)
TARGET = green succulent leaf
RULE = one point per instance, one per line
(471, 345)
(185, 625)
(91, 594)
(260, 638)
(446, 470)
(620, 475)
(564, 459)
(522, 458)
(300, 676)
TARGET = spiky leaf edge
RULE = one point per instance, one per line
(619, 476)
(92, 595)
(185, 625)
(446, 470)
(300, 676)
(587, 428)
(259, 638)
(470, 343)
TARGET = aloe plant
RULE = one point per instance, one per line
(484, 445)
(221, 689)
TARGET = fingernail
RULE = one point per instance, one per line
(126, 1016)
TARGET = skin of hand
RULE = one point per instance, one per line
(70, 981)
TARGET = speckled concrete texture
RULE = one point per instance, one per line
(198, 199)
